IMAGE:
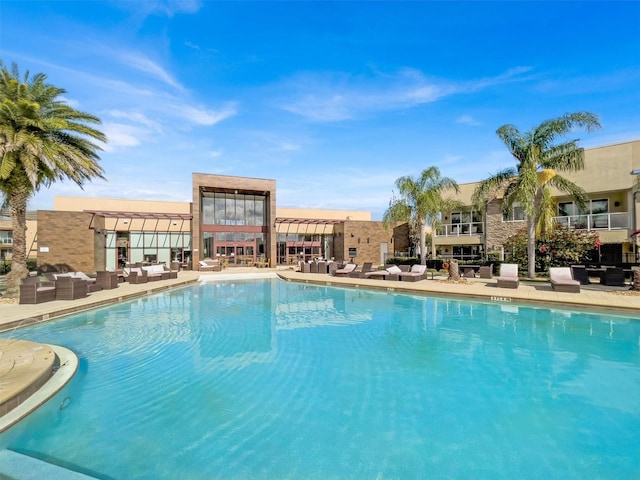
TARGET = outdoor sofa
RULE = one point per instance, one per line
(34, 290)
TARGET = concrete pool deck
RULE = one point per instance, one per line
(25, 364)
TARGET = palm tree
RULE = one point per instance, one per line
(539, 159)
(419, 203)
(42, 140)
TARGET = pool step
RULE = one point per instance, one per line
(16, 466)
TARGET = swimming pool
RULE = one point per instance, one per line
(266, 379)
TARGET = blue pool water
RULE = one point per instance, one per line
(264, 379)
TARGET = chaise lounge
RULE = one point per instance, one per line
(508, 277)
(418, 272)
(562, 280)
(346, 270)
(390, 273)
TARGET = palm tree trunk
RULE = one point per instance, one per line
(531, 246)
(454, 271)
(423, 244)
(18, 203)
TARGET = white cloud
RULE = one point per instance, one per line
(203, 116)
(468, 120)
(331, 97)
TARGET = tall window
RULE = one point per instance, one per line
(233, 209)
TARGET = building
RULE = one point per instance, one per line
(233, 219)
(610, 178)
(237, 220)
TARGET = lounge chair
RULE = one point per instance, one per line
(209, 265)
(508, 277)
(390, 273)
(418, 272)
(366, 267)
(305, 267)
(34, 290)
(346, 270)
(562, 280)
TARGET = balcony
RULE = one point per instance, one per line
(597, 221)
(460, 229)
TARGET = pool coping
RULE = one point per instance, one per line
(528, 293)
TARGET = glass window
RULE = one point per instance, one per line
(599, 206)
(455, 217)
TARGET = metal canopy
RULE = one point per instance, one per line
(144, 216)
(141, 215)
(308, 221)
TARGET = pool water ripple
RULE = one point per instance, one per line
(265, 379)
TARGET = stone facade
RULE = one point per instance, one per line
(497, 230)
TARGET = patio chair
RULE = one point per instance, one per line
(209, 265)
(33, 290)
(70, 288)
(418, 272)
(107, 280)
(173, 272)
(366, 267)
(305, 267)
(508, 276)
(135, 275)
(486, 271)
(579, 273)
(346, 270)
(562, 280)
(390, 273)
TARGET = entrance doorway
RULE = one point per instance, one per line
(237, 254)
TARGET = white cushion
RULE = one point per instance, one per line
(394, 269)
(418, 268)
(202, 263)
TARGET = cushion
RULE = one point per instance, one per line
(203, 263)
(418, 268)
(394, 269)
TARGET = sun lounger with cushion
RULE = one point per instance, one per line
(209, 265)
(359, 273)
(562, 280)
(418, 272)
(346, 270)
(508, 277)
(390, 273)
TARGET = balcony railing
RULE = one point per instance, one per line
(597, 221)
(460, 229)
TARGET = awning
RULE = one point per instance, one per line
(308, 221)
(127, 217)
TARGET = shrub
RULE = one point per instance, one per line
(559, 247)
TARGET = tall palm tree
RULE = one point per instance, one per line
(42, 140)
(419, 203)
(539, 158)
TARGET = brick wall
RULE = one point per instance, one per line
(65, 242)
(366, 238)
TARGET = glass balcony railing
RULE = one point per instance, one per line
(460, 229)
(596, 221)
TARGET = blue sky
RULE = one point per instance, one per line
(334, 100)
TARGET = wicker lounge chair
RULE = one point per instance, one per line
(366, 267)
(346, 270)
(508, 277)
(579, 273)
(390, 273)
(209, 265)
(33, 290)
(418, 272)
(562, 280)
